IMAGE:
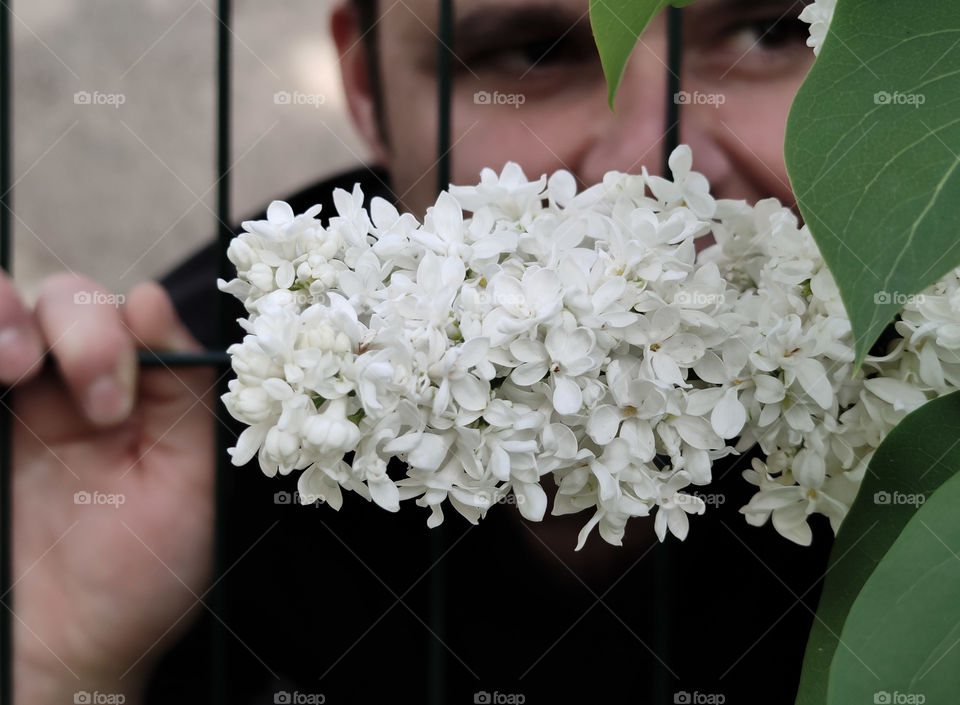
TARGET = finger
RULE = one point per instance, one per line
(153, 323)
(21, 347)
(178, 403)
(81, 323)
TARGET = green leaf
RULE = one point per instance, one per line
(617, 25)
(899, 639)
(873, 149)
(915, 458)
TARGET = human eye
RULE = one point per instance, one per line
(523, 57)
(530, 49)
(768, 34)
(752, 39)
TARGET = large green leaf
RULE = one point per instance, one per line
(873, 149)
(617, 25)
(900, 636)
(916, 458)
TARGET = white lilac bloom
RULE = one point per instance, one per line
(688, 187)
(526, 330)
(818, 15)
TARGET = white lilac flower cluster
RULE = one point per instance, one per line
(575, 335)
(818, 14)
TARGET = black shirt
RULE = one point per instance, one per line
(365, 606)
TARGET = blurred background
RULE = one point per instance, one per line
(114, 132)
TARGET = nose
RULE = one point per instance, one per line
(634, 135)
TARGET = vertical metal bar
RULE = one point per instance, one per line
(674, 65)
(6, 262)
(664, 688)
(436, 675)
(444, 48)
(6, 129)
(223, 125)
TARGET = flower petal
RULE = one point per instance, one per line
(471, 393)
(603, 424)
(729, 416)
(429, 452)
(567, 397)
(531, 500)
(279, 213)
(385, 493)
(813, 378)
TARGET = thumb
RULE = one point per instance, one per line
(150, 316)
(170, 391)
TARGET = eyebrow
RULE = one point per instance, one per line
(499, 24)
(715, 5)
(510, 22)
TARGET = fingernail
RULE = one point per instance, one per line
(13, 342)
(10, 336)
(180, 341)
(109, 399)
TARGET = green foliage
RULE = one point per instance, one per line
(617, 24)
(872, 149)
(873, 154)
(915, 459)
(900, 635)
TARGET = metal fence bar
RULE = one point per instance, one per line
(6, 451)
(674, 64)
(436, 661)
(152, 358)
(662, 562)
(219, 359)
(225, 234)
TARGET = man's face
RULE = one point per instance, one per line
(528, 87)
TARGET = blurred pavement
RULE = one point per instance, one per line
(115, 129)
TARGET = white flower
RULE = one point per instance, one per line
(471, 391)
(688, 187)
(331, 433)
(509, 193)
(576, 335)
(673, 507)
(789, 505)
(521, 304)
(818, 15)
(564, 356)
